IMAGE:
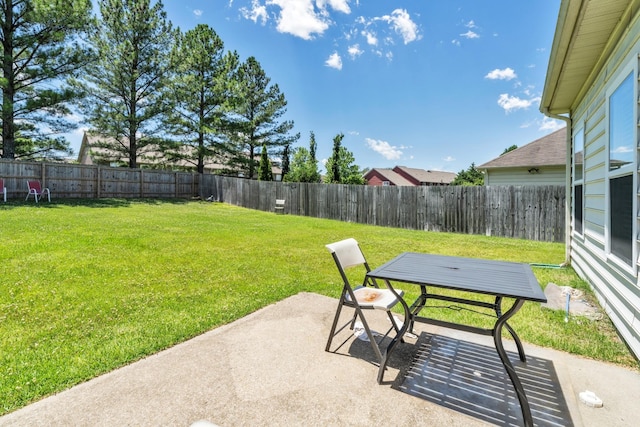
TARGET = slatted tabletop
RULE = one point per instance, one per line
(498, 278)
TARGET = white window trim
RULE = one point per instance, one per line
(580, 181)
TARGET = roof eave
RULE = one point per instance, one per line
(570, 23)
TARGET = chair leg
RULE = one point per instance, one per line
(335, 321)
(372, 339)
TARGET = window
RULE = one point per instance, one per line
(386, 183)
(622, 149)
(578, 205)
(621, 123)
(620, 195)
(578, 209)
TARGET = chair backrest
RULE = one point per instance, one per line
(35, 186)
(347, 253)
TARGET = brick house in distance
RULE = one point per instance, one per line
(408, 177)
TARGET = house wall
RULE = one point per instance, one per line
(614, 282)
(546, 175)
(375, 179)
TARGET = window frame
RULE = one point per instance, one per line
(578, 183)
(630, 71)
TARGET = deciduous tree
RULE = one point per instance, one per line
(341, 167)
(304, 167)
(469, 177)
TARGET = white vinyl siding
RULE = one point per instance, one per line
(546, 175)
(614, 281)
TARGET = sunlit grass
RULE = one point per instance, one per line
(87, 286)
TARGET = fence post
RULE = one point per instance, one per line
(98, 181)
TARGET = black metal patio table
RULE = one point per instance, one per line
(499, 279)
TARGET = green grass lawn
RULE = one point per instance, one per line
(87, 286)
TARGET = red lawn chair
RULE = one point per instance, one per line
(37, 191)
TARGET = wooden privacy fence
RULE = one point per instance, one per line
(82, 181)
(527, 212)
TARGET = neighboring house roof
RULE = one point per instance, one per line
(550, 150)
(425, 177)
(404, 176)
(584, 39)
(387, 175)
(92, 153)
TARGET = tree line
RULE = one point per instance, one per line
(143, 88)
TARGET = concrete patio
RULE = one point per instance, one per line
(270, 368)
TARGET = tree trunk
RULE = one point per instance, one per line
(8, 91)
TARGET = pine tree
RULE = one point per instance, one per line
(258, 107)
(127, 83)
(333, 164)
(39, 42)
(199, 95)
(285, 161)
(264, 168)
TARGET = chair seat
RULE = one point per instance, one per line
(381, 299)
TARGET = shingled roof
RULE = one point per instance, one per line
(550, 150)
(388, 175)
(425, 177)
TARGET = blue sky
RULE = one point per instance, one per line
(431, 84)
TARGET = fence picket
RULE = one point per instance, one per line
(528, 212)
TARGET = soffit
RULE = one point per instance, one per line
(586, 32)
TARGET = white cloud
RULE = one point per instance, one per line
(334, 61)
(355, 51)
(449, 159)
(257, 12)
(506, 74)
(471, 24)
(470, 35)
(197, 12)
(304, 18)
(387, 150)
(455, 42)
(337, 5)
(513, 103)
(623, 149)
(371, 38)
(549, 124)
(402, 23)
(298, 17)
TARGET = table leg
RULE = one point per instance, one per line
(517, 385)
(408, 322)
(498, 309)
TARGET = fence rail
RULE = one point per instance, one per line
(67, 181)
(527, 212)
